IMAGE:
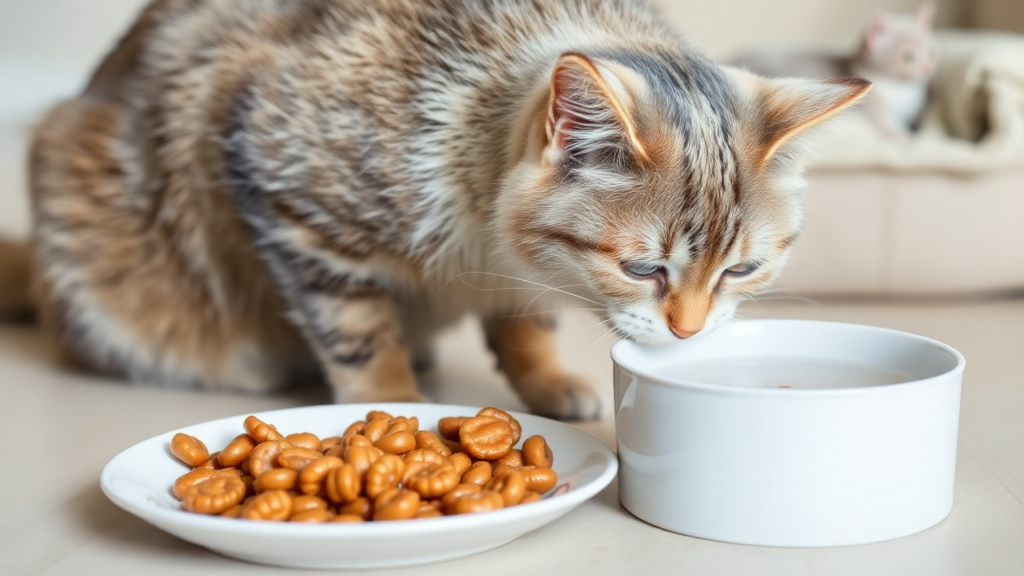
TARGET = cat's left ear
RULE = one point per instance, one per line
(925, 15)
(590, 112)
(778, 110)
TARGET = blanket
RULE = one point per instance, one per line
(974, 121)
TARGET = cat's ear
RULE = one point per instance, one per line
(878, 33)
(590, 113)
(784, 108)
(925, 15)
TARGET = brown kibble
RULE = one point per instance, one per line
(328, 443)
(426, 440)
(536, 452)
(479, 502)
(297, 458)
(434, 481)
(361, 507)
(304, 440)
(274, 505)
(355, 428)
(264, 456)
(461, 462)
(342, 484)
(214, 496)
(449, 427)
(517, 429)
(513, 459)
(454, 446)
(424, 455)
(248, 481)
(314, 516)
(311, 479)
(448, 500)
(538, 479)
(478, 473)
(276, 479)
(194, 477)
(397, 442)
(384, 474)
(530, 497)
(233, 512)
(304, 502)
(189, 449)
(427, 510)
(486, 437)
(261, 431)
(211, 464)
(348, 519)
(382, 469)
(411, 425)
(376, 428)
(237, 452)
(361, 457)
(511, 485)
(355, 440)
(396, 504)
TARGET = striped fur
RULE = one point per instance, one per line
(252, 192)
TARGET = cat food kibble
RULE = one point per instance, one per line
(486, 437)
(189, 450)
(383, 468)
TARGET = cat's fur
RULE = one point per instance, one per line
(898, 53)
(248, 188)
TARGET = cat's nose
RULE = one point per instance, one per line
(681, 333)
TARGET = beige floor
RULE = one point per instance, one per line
(60, 429)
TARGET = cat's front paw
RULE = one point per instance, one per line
(560, 395)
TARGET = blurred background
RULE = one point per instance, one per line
(876, 225)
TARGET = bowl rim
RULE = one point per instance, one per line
(618, 349)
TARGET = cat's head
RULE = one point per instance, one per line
(663, 186)
(902, 45)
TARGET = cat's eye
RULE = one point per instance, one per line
(641, 269)
(743, 269)
(908, 57)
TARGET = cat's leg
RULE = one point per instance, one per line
(358, 338)
(352, 323)
(528, 354)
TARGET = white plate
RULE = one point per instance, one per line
(140, 478)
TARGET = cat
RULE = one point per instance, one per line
(253, 192)
(898, 54)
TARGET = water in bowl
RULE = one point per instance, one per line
(780, 372)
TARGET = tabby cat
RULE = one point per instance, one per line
(250, 188)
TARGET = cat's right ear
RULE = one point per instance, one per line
(777, 111)
(589, 116)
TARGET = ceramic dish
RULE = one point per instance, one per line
(819, 466)
(139, 481)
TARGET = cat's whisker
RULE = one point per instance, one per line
(538, 284)
(596, 342)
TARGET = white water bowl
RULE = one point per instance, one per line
(811, 466)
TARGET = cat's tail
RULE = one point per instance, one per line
(16, 301)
